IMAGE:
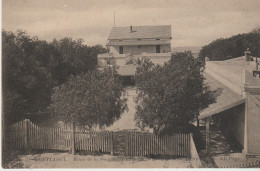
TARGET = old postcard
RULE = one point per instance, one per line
(130, 84)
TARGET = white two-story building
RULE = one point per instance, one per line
(128, 43)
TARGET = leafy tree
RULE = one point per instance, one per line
(74, 58)
(94, 99)
(23, 76)
(172, 95)
(256, 30)
(235, 46)
(32, 67)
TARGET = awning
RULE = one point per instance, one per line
(226, 100)
(138, 42)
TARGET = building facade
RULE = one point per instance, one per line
(128, 43)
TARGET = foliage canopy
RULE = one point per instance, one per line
(235, 46)
(96, 98)
(172, 95)
(32, 67)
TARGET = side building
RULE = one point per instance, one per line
(237, 108)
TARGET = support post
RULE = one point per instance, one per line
(72, 136)
(208, 120)
(111, 144)
(256, 62)
(198, 121)
(126, 143)
(190, 137)
(26, 143)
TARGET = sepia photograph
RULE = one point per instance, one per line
(130, 84)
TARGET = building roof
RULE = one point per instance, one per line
(236, 65)
(233, 76)
(139, 42)
(226, 100)
(140, 32)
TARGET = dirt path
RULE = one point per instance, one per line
(126, 120)
(65, 160)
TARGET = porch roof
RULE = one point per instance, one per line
(138, 42)
(226, 100)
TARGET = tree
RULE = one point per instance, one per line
(170, 96)
(256, 30)
(235, 46)
(23, 76)
(73, 57)
(32, 67)
(93, 99)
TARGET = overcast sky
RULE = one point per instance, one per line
(194, 22)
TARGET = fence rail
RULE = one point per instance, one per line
(27, 135)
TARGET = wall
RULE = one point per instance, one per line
(159, 60)
(252, 90)
(134, 50)
(238, 123)
(118, 61)
(233, 123)
(253, 123)
(114, 49)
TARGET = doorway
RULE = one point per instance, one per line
(121, 50)
(158, 49)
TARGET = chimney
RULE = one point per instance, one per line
(131, 29)
(248, 54)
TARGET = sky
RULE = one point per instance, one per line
(194, 22)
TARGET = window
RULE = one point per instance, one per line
(158, 49)
(121, 50)
(139, 46)
(157, 39)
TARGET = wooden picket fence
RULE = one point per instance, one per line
(26, 135)
(93, 140)
(147, 144)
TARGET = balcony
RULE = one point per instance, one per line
(148, 55)
(111, 55)
(125, 61)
